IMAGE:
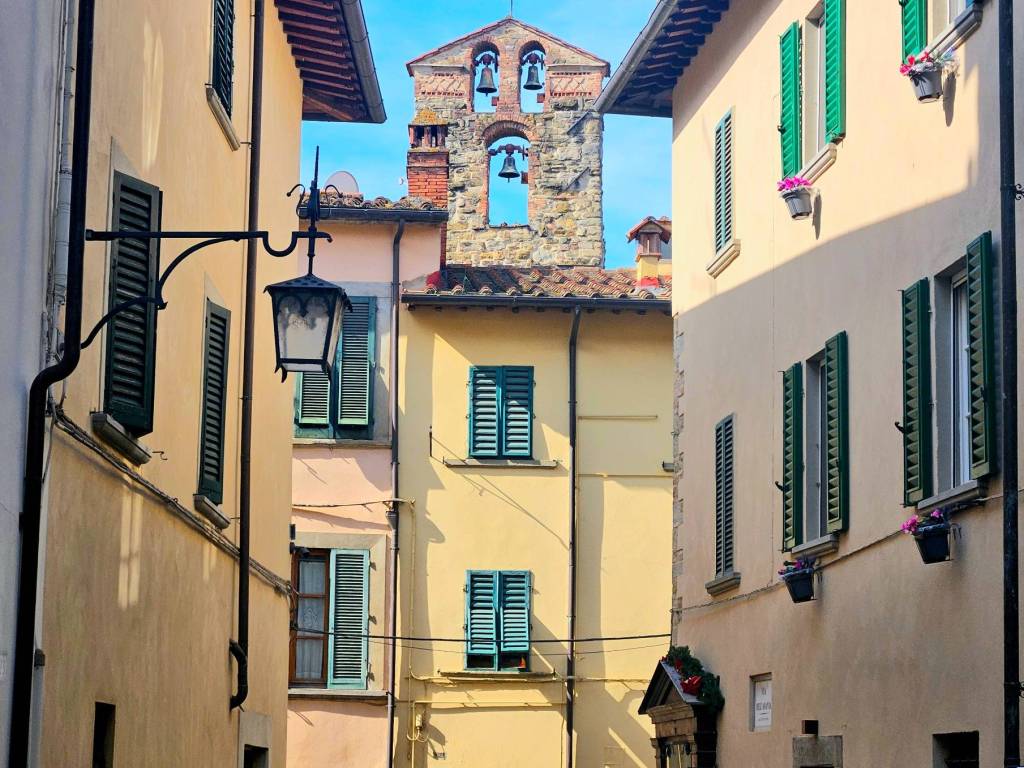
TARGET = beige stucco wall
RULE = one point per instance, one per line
(517, 518)
(139, 608)
(339, 494)
(893, 651)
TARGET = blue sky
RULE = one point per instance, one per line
(637, 150)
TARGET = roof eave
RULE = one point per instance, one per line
(362, 55)
(536, 302)
(411, 215)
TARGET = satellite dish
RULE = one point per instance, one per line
(344, 181)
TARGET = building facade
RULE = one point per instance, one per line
(141, 538)
(837, 374)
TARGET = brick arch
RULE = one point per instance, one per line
(502, 129)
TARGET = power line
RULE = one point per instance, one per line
(461, 640)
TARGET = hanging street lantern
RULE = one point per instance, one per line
(308, 310)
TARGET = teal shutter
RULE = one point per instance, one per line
(837, 438)
(724, 496)
(514, 611)
(484, 394)
(314, 399)
(917, 422)
(980, 337)
(723, 182)
(915, 27)
(130, 363)
(790, 117)
(223, 50)
(215, 381)
(355, 369)
(792, 456)
(481, 613)
(347, 645)
(517, 411)
(835, 69)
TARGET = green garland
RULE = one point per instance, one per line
(688, 665)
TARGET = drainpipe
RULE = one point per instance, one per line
(240, 648)
(1008, 313)
(31, 511)
(396, 248)
(570, 661)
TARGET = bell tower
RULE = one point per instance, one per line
(511, 104)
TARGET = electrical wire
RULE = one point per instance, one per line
(462, 640)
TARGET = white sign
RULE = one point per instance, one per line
(761, 703)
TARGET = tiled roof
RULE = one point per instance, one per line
(546, 282)
(347, 206)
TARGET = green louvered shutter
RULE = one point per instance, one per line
(917, 423)
(724, 496)
(347, 646)
(723, 182)
(223, 50)
(792, 456)
(514, 611)
(314, 399)
(836, 432)
(835, 69)
(980, 338)
(131, 336)
(517, 411)
(215, 382)
(790, 117)
(481, 613)
(484, 399)
(915, 27)
(355, 373)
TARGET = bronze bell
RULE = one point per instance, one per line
(508, 168)
(533, 82)
(486, 82)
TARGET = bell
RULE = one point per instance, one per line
(508, 168)
(486, 82)
(533, 82)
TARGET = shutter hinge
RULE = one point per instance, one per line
(781, 128)
(899, 428)
(780, 486)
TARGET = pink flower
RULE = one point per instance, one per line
(936, 514)
(910, 525)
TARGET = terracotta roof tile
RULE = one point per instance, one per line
(561, 282)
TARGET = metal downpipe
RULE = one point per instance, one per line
(570, 660)
(35, 441)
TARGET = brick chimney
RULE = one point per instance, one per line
(426, 167)
(652, 257)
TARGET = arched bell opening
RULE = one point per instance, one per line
(485, 78)
(508, 182)
(532, 77)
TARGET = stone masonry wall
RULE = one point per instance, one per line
(565, 165)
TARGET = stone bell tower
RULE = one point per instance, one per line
(520, 68)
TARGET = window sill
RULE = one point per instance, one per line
(823, 545)
(968, 491)
(499, 463)
(723, 258)
(113, 434)
(467, 674)
(722, 584)
(341, 442)
(336, 694)
(223, 118)
(210, 511)
(954, 35)
(820, 163)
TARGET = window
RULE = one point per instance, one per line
(819, 422)
(501, 412)
(723, 183)
(962, 422)
(131, 336)
(724, 498)
(921, 18)
(814, 79)
(215, 378)
(103, 735)
(498, 620)
(329, 643)
(955, 750)
(223, 65)
(340, 405)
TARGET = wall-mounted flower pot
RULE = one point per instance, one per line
(933, 542)
(799, 202)
(927, 81)
(800, 585)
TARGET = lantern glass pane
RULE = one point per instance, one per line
(302, 326)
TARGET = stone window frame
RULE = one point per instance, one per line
(507, 128)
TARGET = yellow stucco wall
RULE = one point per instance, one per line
(893, 651)
(139, 607)
(517, 518)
